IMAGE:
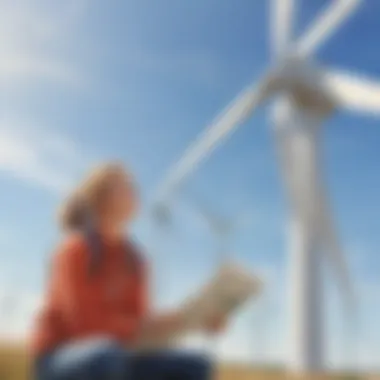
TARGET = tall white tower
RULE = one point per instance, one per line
(304, 95)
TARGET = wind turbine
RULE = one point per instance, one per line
(222, 228)
(305, 94)
(8, 309)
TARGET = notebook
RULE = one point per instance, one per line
(226, 292)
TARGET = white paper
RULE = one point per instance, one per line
(226, 292)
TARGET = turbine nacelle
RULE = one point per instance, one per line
(303, 81)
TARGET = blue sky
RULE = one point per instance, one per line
(137, 80)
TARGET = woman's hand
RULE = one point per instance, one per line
(215, 325)
(162, 326)
(170, 323)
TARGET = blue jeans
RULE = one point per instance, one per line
(101, 359)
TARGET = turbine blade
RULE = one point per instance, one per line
(331, 244)
(208, 214)
(326, 24)
(281, 25)
(353, 92)
(235, 114)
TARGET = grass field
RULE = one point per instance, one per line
(14, 365)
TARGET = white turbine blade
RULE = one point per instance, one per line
(208, 215)
(353, 92)
(229, 120)
(331, 244)
(281, 25)
(325, 25)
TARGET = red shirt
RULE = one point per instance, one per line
(111, 301)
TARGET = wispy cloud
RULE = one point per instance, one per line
(38, 44)
(34, 37)
(39, 156)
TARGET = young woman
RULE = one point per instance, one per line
(96, 306)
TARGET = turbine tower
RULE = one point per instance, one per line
(8, 309)
(304, 95)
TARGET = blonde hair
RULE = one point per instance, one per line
(80, 208)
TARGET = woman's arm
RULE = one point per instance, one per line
(167, 324)
(216, 325)
(153, 325)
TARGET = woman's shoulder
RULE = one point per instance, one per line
(74, 240)
(73, 245)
